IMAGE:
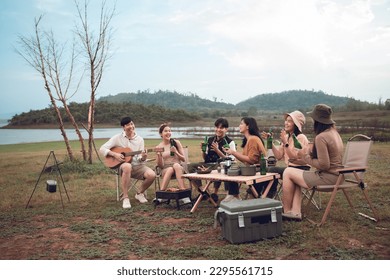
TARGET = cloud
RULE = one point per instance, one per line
(348, 17)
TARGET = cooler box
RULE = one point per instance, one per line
(250, 220)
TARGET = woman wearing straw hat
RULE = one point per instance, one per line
(325, 155)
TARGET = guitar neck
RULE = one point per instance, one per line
(133, 153)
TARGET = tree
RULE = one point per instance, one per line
(40, 51)
(55, 72)
(97, 53)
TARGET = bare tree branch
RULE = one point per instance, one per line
(97, 53)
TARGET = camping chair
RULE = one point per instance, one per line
(133, 184)
(355, 162)
(158, 169)
(167, 196)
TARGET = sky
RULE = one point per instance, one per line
(228, 50)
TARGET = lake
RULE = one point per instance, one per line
(17, 136)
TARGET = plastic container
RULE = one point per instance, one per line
(250, 220)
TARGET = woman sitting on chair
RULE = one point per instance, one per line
(293, 123)
(326, 156)
(170, 160)
(253, 147)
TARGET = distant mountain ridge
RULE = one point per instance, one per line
(279, 102)
(167, 106)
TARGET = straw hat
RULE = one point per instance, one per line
(298, 119)
(322, 113)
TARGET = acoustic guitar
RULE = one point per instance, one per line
(112, 162)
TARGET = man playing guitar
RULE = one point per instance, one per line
(135, 167)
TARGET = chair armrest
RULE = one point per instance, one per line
(350, 169)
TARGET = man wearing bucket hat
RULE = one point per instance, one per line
(293, 123)
(325, 155)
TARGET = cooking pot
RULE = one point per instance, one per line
(248, 170)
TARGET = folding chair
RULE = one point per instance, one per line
(118, 179)
(176, 196)
(158, 169)
(316, 202)
(355, 162)
(133, 184)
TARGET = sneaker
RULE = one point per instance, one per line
(126, 203)
(185, 200)
(141, 197)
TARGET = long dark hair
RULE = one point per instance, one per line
(253, 129)
(318, 128)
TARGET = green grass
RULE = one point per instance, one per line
(93, 224)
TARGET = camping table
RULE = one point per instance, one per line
(215, 176)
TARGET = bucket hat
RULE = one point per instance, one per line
(298, 119)
(322, 113)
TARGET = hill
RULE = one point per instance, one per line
(292, 100)
(272, 102)
(105, 114)
(168, 99)
(154, 108)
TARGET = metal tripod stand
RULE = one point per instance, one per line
(57, 169)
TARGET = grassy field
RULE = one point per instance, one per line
(93, 224)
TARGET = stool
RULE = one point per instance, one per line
(173, 196)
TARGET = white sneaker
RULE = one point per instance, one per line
(185, 200)
(141, 197)
(126, 203)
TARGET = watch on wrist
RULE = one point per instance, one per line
(286, 145)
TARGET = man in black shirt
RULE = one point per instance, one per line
(214, 152)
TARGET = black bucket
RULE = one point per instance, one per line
(51, 186)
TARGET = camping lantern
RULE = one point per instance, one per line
(51, 186)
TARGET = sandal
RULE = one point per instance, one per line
(292, 216)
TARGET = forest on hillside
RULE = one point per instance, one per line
(168, 106)
(106, 113)
(270, 102)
